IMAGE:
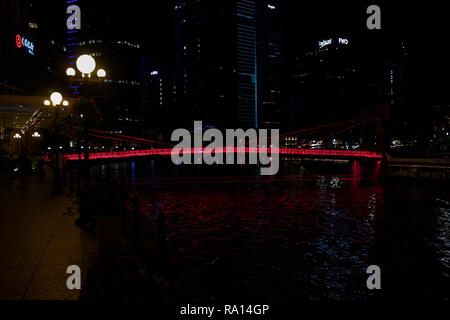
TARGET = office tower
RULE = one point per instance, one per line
(225, 51)
(271, 109)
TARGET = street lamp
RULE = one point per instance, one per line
(101, 73)
(65, 103)
(70, 72)
(18, 138)
(85, 64)
(35, 137)
(56, 98)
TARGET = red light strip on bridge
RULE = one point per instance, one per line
(168, 152)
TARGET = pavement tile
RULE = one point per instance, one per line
(28, 242)
(16, 259)
(16, 274)
(38, 242)
(51, 288)
(6, 241)
(13, 290)
(62, 259)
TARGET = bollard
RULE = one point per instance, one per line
(123, 196)
(136, 222)
(71, 180)
(161, 239)
(78, 181)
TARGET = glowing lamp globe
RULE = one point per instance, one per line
(47, 102)
(56, 98)
(70, 72)
(86, 64)
(101, 73)
(65, 103)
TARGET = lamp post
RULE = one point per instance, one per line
(18, 138)
(86, 65)
(56, 99)
(36, 137)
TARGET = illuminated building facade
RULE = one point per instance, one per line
(27, 47)
(270, 65)
(326, 84)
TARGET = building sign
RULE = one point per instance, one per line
(325, 43)
(21, 41)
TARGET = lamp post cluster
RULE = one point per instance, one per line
(23, 136)
(86, 65)
(56, 99)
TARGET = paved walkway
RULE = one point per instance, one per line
(38, 241)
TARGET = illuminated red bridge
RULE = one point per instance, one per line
(268, 151)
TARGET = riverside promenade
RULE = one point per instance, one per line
(39, 240)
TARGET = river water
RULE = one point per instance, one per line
(308, 233)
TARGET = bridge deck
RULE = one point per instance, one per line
(281, 151)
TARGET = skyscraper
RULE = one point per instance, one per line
(269, 61)
(247, 68)
(222, 57)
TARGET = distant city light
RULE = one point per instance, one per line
(154, 73)
(271, 6)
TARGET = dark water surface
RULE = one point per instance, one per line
(308, 233)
